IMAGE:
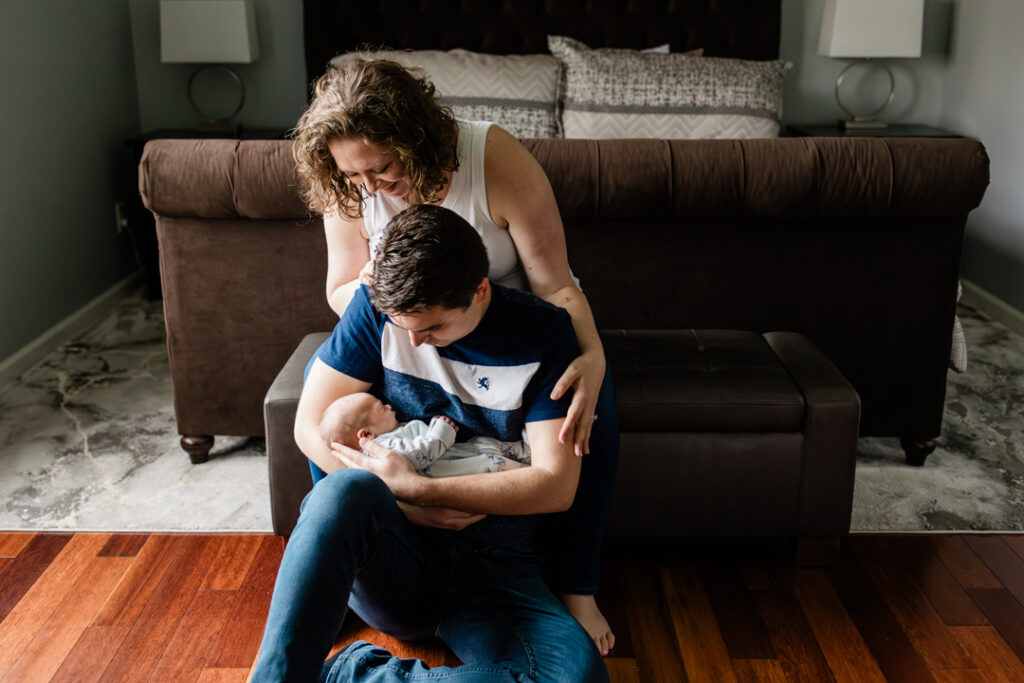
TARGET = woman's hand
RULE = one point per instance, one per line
(584, 376)
(438, 517)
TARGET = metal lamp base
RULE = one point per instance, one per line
(862, 124)
(864, 121)
(213, 123)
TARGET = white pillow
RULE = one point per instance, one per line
(615, 93)
(519, 92)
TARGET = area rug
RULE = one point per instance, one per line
(88, 442)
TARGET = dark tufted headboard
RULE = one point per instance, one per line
(747, 29)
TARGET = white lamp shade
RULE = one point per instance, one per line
(871, 28)
(208, 31)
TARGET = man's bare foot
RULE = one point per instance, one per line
(584, 608)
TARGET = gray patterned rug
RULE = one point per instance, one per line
(88, 442)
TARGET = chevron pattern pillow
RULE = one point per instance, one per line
(615, 93)
(518, 92)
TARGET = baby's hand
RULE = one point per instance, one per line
(450, 421)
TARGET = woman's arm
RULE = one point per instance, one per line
(519, 196)
(348, 256)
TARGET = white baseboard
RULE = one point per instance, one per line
(992, 305)
(67, 329)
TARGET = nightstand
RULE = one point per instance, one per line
(138, 220)
(895, 130)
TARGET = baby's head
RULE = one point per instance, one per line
(354, 416)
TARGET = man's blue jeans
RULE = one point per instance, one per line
(487, 601)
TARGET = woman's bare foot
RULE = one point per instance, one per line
(584, 608)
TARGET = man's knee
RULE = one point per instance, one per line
(568, 654)
(346, 490)
(582, 661)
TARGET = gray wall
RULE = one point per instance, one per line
(68, 103)
(984, 98)
(275, 83)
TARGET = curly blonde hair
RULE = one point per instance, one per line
(387, 105)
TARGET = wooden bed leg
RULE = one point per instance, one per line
(917, 450)
(197, 447)
(817, 551)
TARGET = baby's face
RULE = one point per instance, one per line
(378, 418)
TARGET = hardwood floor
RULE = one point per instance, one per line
(187, 607)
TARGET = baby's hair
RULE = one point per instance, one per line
(342, 421)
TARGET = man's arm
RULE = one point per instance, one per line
(548, 485)
(323, 386)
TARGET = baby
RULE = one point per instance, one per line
(430, 448)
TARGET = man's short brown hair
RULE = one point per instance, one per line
(430, 256)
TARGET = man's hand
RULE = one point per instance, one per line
(396, 471)
(440, 518)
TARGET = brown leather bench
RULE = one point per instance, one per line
(724, 433)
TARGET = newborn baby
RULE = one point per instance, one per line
(430, 448)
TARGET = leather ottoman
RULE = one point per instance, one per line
(724, 433)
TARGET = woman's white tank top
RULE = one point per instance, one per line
(467, 197)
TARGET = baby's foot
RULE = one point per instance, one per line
(584, 608)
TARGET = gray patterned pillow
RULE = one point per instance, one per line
(518, 92)
(614, 93)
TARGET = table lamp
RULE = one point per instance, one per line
(868, 29)
(210, 33)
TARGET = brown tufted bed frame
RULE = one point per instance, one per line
(853, 242)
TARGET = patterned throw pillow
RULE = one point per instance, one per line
(615, 93)
(519, 92)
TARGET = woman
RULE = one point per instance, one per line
(375, 140)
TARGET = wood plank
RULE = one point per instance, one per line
(27, 567)
(797, 651)
(622, 670)
(91, 655)
(136, 588)
(124, 545)
(238, 645)
(650, 624)
(58, 636)
(186, 654)
(1016, 543)
(960, 676)
(705, 656)
(945, 593)
(843, 647)
(1001, 560)
(190, 560)
(232, 564)
(912, 608)
(994, 657)
(962, 563)
(738, 620)
(759, 671)
(881, 630)
(48, 591)
(758, 578)
(223, 676)
(13, 542)
(1004, 613)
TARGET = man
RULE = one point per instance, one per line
(415, 556)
